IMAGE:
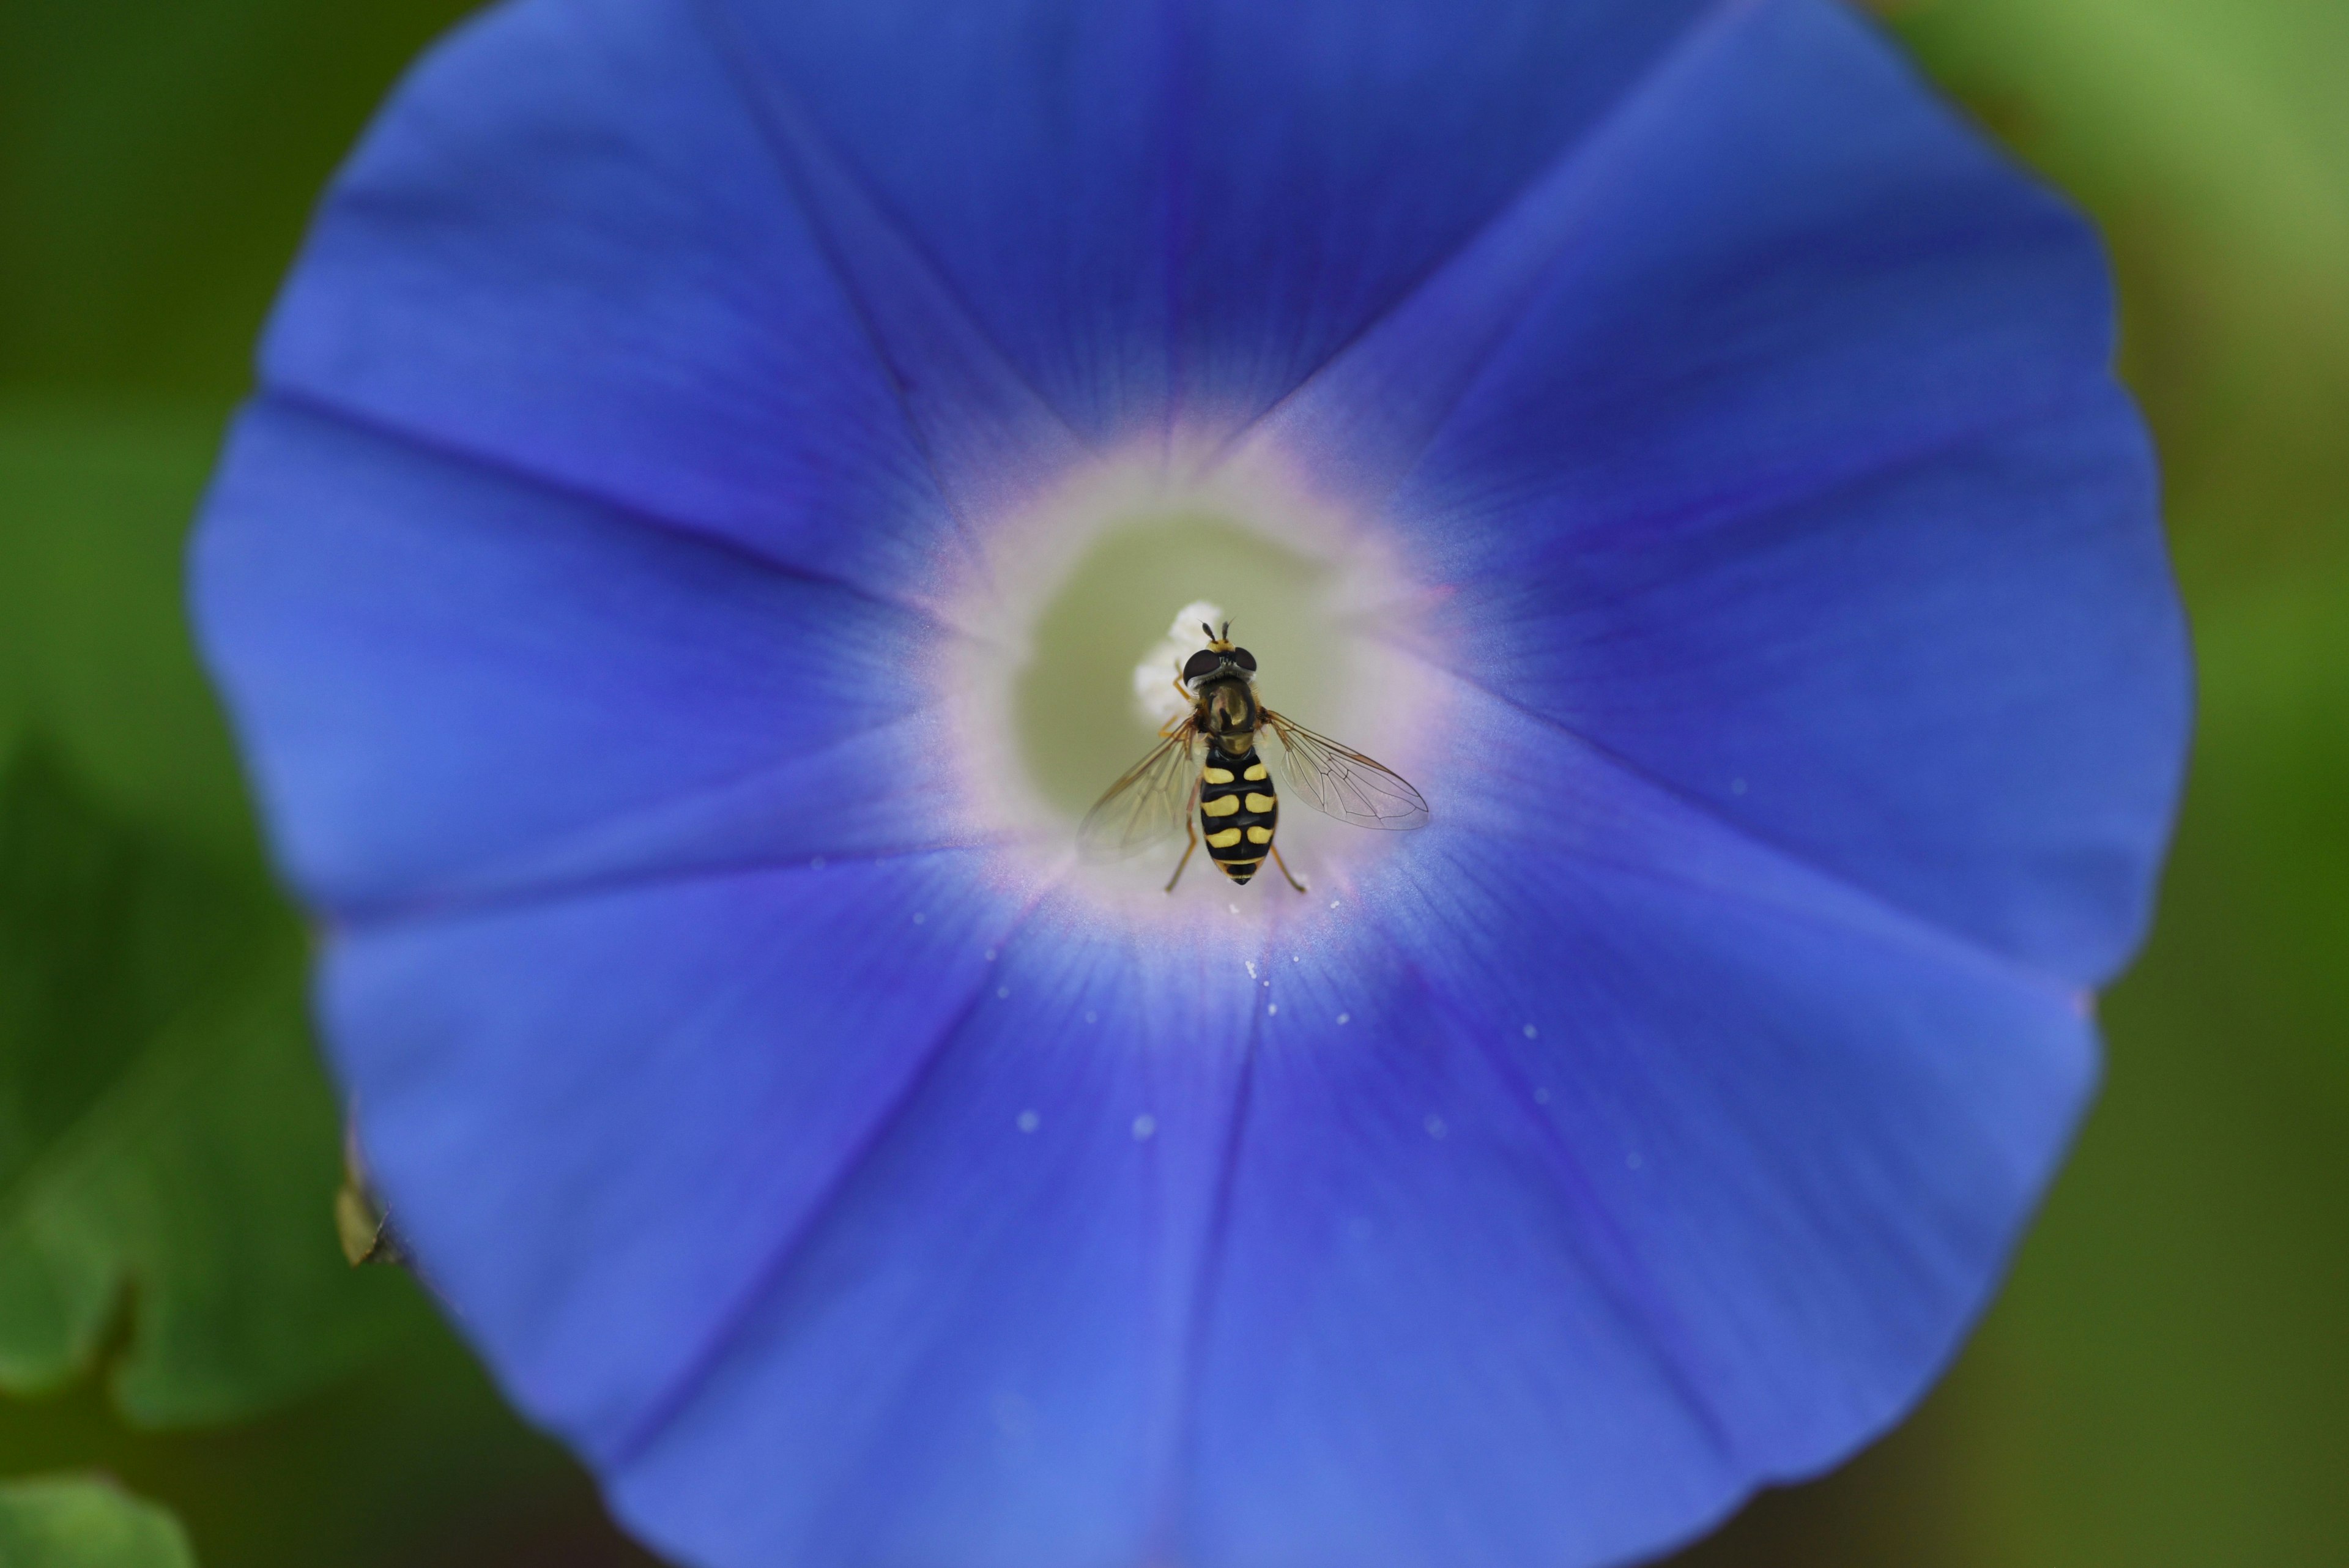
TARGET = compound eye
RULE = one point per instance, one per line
(1245, 660)
(1202, 664)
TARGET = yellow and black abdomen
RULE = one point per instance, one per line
(1237, 809)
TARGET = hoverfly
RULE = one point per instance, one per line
(1237, 807)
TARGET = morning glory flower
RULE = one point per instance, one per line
(717, 467)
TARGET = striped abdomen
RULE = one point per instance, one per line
(1237, 809)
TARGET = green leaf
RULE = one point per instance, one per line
(94, 646)
(2263, 924)
(85, 1522)
(157, 160)
(167, 1147)
(2163, 1382)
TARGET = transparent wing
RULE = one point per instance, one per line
(1343, 782)
(1146, 805)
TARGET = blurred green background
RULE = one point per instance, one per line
(2165, 1380)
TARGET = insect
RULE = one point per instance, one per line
(1237, 806)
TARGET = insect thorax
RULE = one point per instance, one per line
(1227, 708)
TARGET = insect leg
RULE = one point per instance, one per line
(1186, 857)
(1276, 860)
(1191, 821)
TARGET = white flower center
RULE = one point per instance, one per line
(1158, 698)
(1053, 705)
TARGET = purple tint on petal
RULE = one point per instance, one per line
(1159, 210)
(1539, 1260)
(1336, 153)
(1776, 265)
(1961, 683)
(1363, 419)
(988, 439)
(602, 1120)
(1774, 1169)
(452, 682)
(979, 1356)
(569, 247)
(1805, 308)
(1802, 482)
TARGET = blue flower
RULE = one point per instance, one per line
(1701, 466)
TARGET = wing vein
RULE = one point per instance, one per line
(1340, 782)
(1146, 805)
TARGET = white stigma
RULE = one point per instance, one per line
(1156, 700)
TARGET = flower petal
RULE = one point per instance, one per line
(1752, 1168)
(1648, 1127)
(1647, 1165)
(1161, 211)
(1961, 684)
(1774, 447)
(600, 1210)
(569, 246)
(912, 1222)
(453, 683)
